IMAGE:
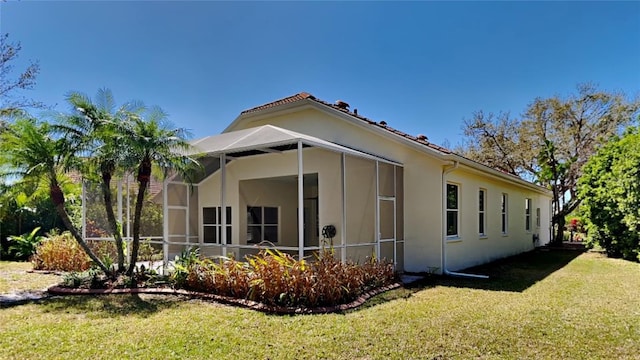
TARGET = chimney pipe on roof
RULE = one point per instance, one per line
(355, 111)
(341, 104)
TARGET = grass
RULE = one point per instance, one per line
(15, 278)
(541, 305)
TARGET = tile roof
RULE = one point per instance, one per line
(383, 125)
(287, 100)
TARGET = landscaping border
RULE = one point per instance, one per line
(249, 304)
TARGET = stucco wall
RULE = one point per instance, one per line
(421, 176)
(421, 206)
(469, 247)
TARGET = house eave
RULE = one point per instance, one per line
(443, 157)
(312, 104)
(479, 168)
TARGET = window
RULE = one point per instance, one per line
(262, 224)
(537, 217)
(452, 210)
(482, 210)
(503, 210)
(527, 214)
(212, 224)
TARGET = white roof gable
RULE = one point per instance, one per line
(268, 136)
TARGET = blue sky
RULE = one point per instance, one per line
(421, 66)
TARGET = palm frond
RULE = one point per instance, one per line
(105, 100)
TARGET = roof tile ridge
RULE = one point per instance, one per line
(387, 127)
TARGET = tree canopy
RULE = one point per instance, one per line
(551, 141)
(12, 102)
(97, 140)
(610, 193)
(30, 153)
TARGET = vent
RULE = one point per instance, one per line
(383, 123)
(341, 104)
(421, 137)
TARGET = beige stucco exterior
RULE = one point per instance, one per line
(261, 180)
(469, 247)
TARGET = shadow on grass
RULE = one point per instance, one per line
(109, 306)
(516, 273)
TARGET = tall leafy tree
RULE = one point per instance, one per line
(29, 152)
(152, 142)
(610, 193)
(12, 103)
(550, 143)
(12, 83)
(94, 129)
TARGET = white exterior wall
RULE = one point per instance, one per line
(423, 198)
(469, 248)
(422, 178)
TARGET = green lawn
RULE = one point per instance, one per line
(15, 278)
(554, 305)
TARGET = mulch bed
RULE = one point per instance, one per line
(280, 310)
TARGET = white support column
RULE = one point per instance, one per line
(343, 253)
(300, 202)
(84, 209)
(223, 208)
(165, 224)
(119, 194)
(187, 229)
(377, 222)
(128, 210)
(395, 218)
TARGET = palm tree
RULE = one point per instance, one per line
(152, 142)
(94, 129)
(28, 152)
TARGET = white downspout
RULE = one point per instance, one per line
(443, 260)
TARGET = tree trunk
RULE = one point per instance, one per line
(560, 222)
(58, 201)
(143, 183)
(115, 230)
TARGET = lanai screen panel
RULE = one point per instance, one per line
(360, 193)
(386, 179)
(124, 201)
(96, 222)
(268, 209)
(399, 173)
(387, 203)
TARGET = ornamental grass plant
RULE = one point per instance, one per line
(278, 279)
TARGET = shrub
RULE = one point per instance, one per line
(105, 250)
(60, 253)
(610, 193)
(24, 246)
(90, 279)
(276, 278)
(147, 251)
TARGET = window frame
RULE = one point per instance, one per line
(263, 224)
(455, 210)
(482, 213)
(527, 214)
(216, 224)
(504, 214)
(538, 218)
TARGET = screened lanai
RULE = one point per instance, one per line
(268, 186)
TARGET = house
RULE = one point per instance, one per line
(304, 175)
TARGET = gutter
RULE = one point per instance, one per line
(446, 170)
